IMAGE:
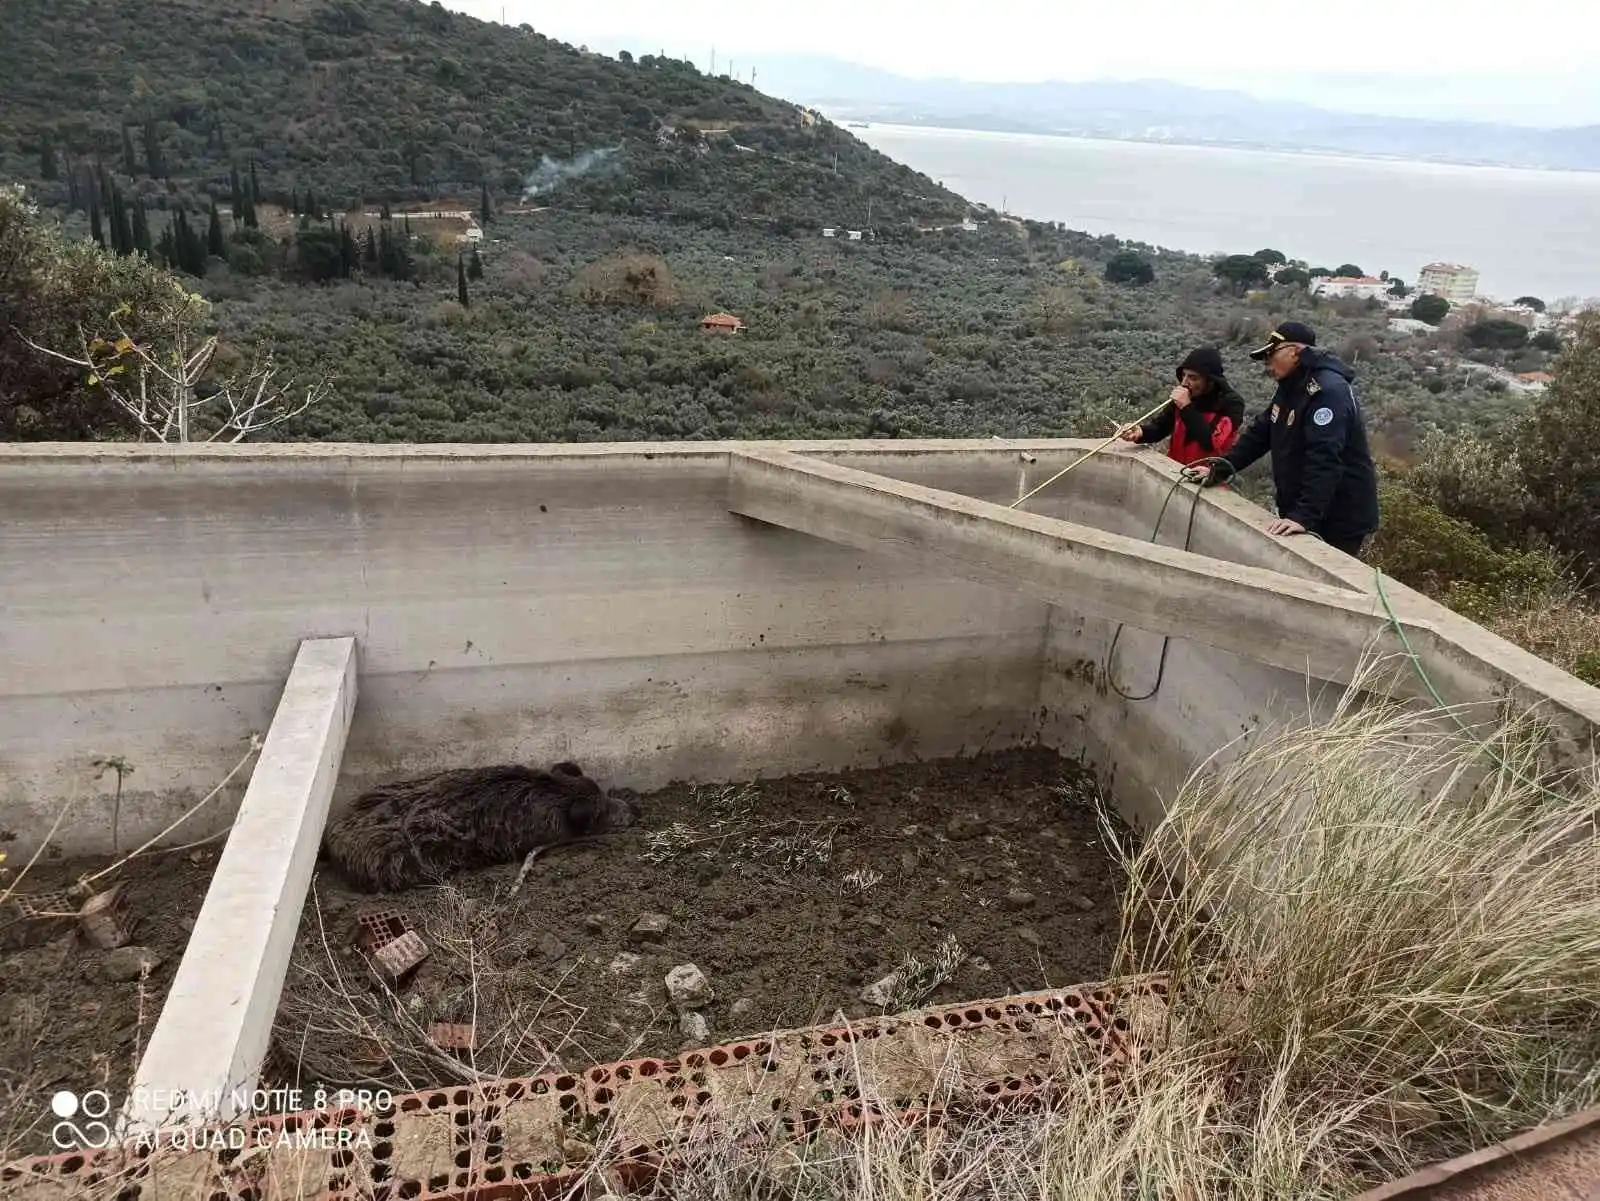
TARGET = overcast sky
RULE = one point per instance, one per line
(1528, 61)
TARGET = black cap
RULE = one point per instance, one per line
(1207, 360)
(1289, 331)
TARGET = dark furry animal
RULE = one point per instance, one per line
(420, 830)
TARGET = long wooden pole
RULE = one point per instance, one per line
(1090, 455)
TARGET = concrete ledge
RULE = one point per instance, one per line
(57, 454)
(1265, 616)
(211, 1037)
(1323, 631)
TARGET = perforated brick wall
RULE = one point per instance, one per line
(535, 1137)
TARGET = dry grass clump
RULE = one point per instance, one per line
(1384, 948)
(1391, 929)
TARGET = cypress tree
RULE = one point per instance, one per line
(130, 165)
(349, 253)
(141, 228)
(215, 242)
(250, 221)
(189, 246)
(121, 226)
(369, 249)
(166, 248)
(487, 212)
(47, 158)
(255, 187)
(475, 265)
(95, 228)
(152, 150)
(238, 196)
(461, 282)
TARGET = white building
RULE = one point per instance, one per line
(1453, 282)
(1364, 287)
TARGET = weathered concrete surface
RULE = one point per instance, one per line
(1249, 645)
(599, 602)
(1208, 706)
(511, 606)
(208, 1044)
(1263, 615)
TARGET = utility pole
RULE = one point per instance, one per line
(713, 60)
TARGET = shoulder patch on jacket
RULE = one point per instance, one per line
(1322, 416)
(1274, 412)
(1312, 387)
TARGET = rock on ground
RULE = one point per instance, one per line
(650, 926)
(688, 988)
(881, 992)
(129, 963)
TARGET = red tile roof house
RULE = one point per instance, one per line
(721, 323)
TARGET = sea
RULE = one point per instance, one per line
(1527, 232)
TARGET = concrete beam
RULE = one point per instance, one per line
(1262, 615)
(205, 1053)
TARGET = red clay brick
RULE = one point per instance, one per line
(398, 957)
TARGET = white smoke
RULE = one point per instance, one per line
(549, 172)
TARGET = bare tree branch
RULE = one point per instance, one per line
(157, 386)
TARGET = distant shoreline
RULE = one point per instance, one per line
(869, 124)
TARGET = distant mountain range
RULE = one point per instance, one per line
(1156, 111)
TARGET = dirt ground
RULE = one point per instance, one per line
(72, 1016)
(791, 896)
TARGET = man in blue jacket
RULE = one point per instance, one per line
(1322, 470)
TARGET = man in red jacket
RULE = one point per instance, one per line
(1205, 413)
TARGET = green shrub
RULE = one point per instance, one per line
(1587, 668)
(1476, 480)
(1452, 560)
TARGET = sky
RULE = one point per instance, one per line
(1530, 62)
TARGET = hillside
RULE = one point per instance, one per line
(362, 101)
(629, 199)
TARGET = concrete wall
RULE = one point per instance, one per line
(598, 603)
(1209, 701)
(510, 605)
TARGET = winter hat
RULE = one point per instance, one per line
(1207, 360)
